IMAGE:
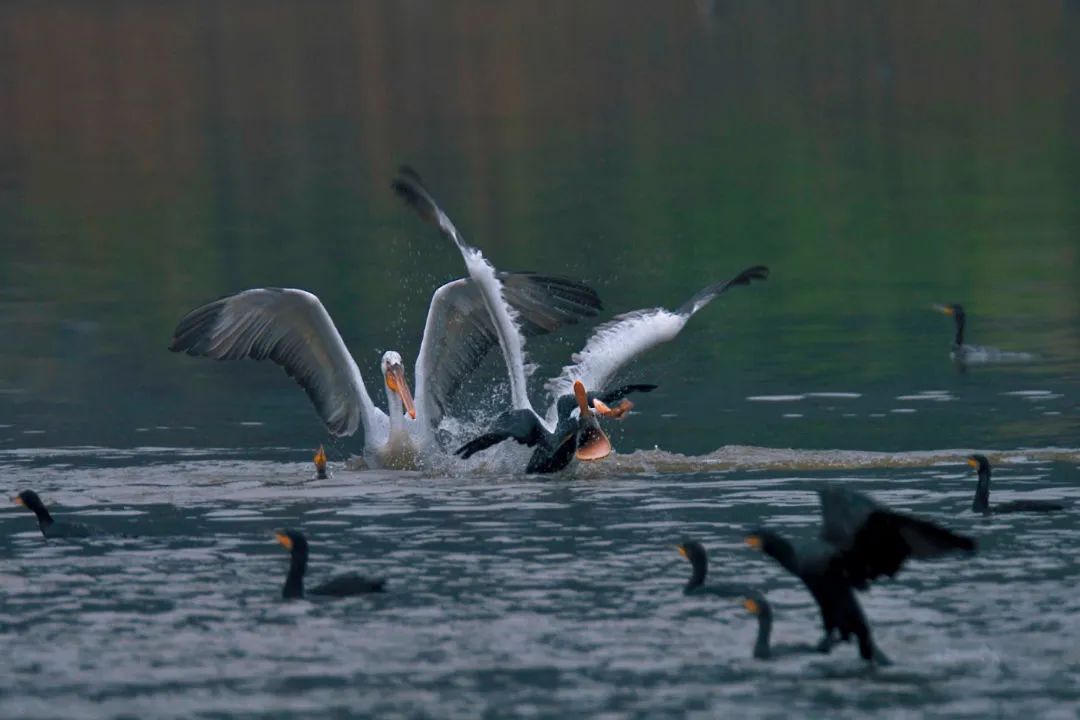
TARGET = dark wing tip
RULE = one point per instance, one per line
(757, 272)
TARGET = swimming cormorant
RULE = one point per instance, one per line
(49, 527)
(337, 586)
(981, 503)
(756, 603)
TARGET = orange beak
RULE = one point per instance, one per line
(945, 309)
(973, 462)
(395, 380)
(320, 460)
(615, 413)
(284, 540)
(17, 500)
(593, 443)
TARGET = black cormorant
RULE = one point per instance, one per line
(756, 603)
(862, 541)
(337, 586)
(981, 503)
(49, 527)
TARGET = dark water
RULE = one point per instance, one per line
(879, 157)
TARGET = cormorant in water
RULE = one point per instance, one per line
(578, 436)
(695, 553)
(337, 586)
(756, 603)
(320, 464)
(981, 503)
(49, 527)
(964, 353)
(862, 542)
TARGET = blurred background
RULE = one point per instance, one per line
(878, 156)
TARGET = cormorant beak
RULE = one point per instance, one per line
(682, 550)
(751, 605)
(973, 462)
(593, 443)
(395, 380)
(754, 541)
(945, 309)
(284, 539)
(18, 500)
(320, 458)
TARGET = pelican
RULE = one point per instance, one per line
(592, 442)
(611, 346)
(293, 329)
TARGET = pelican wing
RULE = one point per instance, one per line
(459, 333)
(504, 318)
(291, 328)
(623, 338)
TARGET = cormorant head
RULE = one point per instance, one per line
(756, 604)
(699, 561)
(293, 541)
(980, 463)
(957, 311)
(770, 543)
(30, 500)
(394, 375)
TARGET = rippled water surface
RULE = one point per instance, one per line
(512, 595)
(880, 158)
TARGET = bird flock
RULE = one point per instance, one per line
(861, 541)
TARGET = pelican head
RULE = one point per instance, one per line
(396, 384)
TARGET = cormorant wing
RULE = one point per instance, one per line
(843, 511)
(459, 333)
(291, 328)
(618, 341)
(887, 539)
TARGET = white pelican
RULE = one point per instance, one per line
(611, 346)
(291, 327)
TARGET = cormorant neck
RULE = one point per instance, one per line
(43, 517)
(981, 503)
(959, 340)
(764, 630)
(783, 552)
(294, 583)
(697, 577)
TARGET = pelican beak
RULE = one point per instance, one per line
(945, 309)
(284, 539)
(582, 398)
(754, 541)
(681, 549)
(395, 380)
(750, 605)
(17, 500)
(615, 413)
(973, 463)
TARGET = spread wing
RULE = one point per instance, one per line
(291, 328)
(617, 342)
(459, 332)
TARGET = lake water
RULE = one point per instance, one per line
(878, 158)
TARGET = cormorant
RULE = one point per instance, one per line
(862, 541)
(756, 603)
(49, 527)
(320, 464)
(981, 502)
(337, 586)
(578, 436)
